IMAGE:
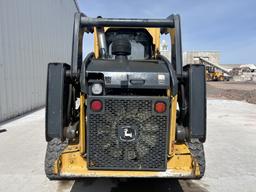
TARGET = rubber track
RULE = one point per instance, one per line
(197, 151)
(53, 151)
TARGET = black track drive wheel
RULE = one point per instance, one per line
(197, 151)
(53, 151)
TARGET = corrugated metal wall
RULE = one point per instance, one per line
(32, 34)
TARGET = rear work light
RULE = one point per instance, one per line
(97, 88)
(160, 107)
(96, 105)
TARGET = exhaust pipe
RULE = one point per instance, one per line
(102, 42)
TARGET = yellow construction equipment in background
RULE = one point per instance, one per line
(215, 72)
(213, 75)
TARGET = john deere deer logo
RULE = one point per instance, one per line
(127, 133)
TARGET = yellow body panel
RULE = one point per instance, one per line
(155, 33)
(72, 164)
(82, 126)
(173, 125)
(96, 44)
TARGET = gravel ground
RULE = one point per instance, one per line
(241, 91)
(230, 155)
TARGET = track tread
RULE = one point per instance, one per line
(197, 151)
(53, 151)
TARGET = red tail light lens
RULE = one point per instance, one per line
(160, 107)
(96, 105)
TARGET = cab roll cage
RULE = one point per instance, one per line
(82, 24)
(62, 78)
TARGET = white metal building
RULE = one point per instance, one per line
(192, 57)
(32, 34)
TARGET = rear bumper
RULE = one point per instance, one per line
(130, 174)
(180, 165)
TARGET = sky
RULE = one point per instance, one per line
(228, 26)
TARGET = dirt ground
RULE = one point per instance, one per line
(241, 91)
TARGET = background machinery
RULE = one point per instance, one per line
(125, 110)
(215, 72)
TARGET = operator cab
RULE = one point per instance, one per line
(126, 65)
(141, 42)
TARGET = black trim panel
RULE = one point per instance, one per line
(196, 94)
(56, 101)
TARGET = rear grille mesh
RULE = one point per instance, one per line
(144, 149)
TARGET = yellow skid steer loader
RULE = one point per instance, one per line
(125, 110)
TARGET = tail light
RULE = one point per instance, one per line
(96, 105)
(160, 107)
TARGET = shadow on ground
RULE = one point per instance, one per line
(136, 185)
